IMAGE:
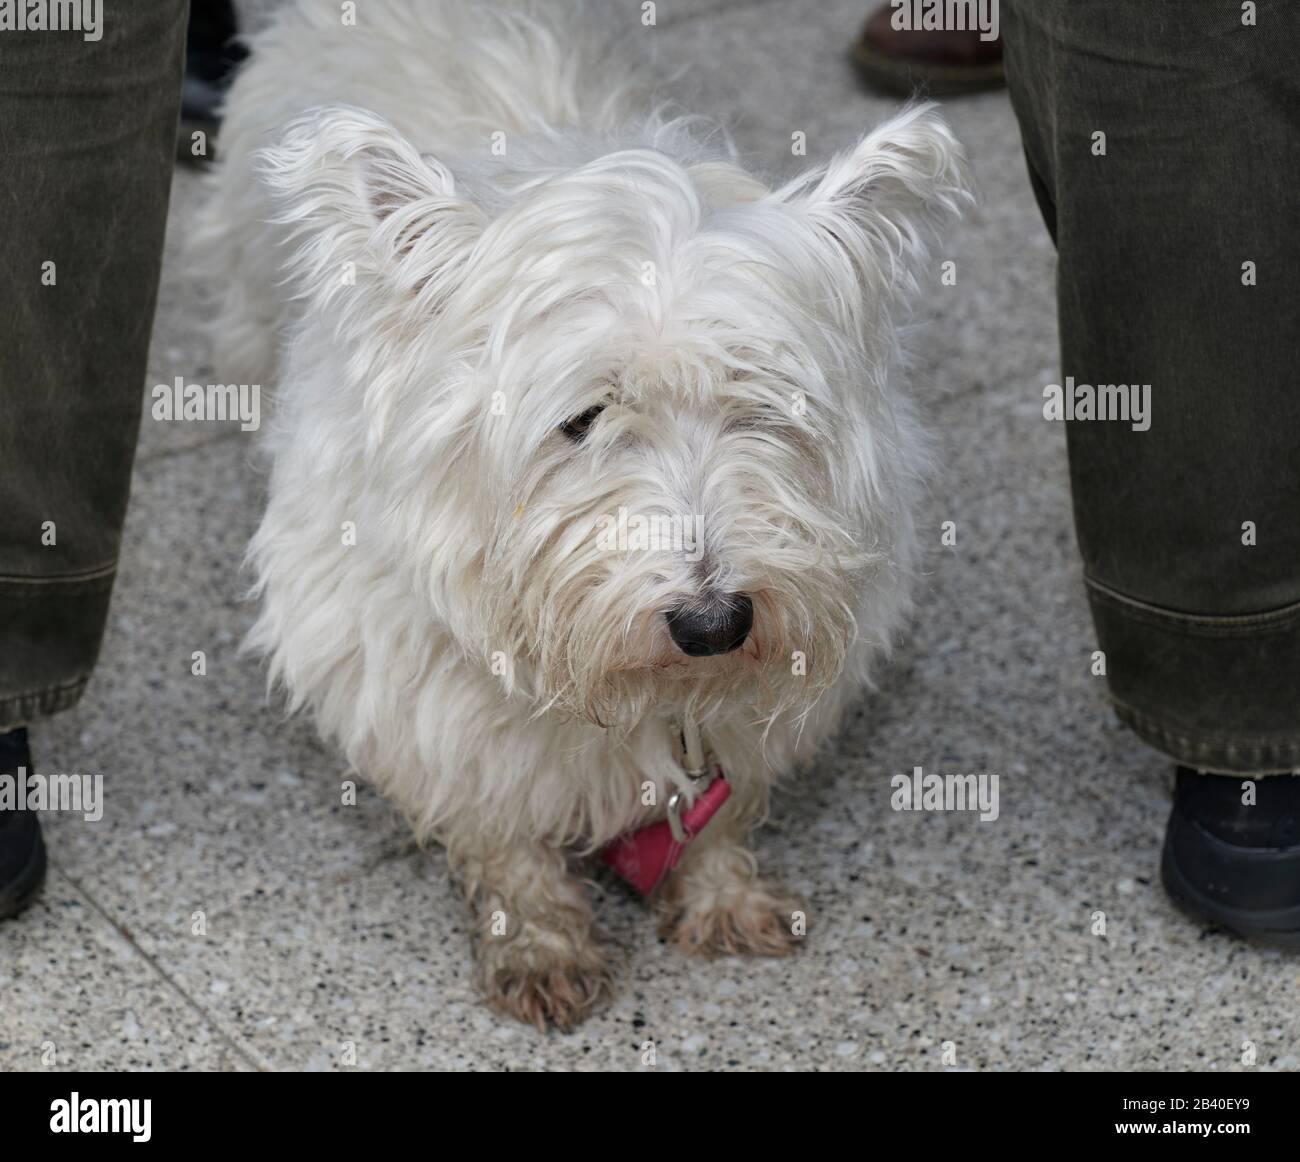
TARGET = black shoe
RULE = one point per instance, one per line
(22, 852)
(1234, 866)
(212, 56)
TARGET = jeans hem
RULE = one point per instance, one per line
(20, 709)
(1284, 618)
(1216, 756)
(1219, 693)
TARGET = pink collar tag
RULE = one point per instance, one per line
(648, 854)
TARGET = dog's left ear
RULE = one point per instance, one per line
(354, 191)
(883, 202)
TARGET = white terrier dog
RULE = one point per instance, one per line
(587, 441)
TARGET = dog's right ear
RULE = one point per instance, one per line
(359, 199)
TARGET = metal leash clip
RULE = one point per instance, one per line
(697, 768)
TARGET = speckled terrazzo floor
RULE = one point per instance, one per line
(324, 931)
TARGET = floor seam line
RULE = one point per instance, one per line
(250, 1056)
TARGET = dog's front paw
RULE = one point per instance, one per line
(751, 919)
(542, 987)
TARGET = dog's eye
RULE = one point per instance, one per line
(578, 427)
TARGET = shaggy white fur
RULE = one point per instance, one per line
(442, 234)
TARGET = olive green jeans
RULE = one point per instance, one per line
(87, 139)
(1163, 143)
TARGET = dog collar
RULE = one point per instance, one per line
(643, 857)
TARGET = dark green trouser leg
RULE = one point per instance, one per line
(87, 138)
(1201, 116)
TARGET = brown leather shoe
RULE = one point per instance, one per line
(937, 62)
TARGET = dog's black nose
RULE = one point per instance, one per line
(716, 625)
